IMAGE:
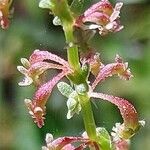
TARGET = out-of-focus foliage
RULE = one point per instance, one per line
(31, 28)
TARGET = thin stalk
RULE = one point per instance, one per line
(62, 10)
(88, 117)
(72, 49)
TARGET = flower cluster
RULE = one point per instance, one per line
(122, 132)
(33, 70)
(101, 16)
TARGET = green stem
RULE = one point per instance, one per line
(88, 117)
(72, 49)
(62, 10)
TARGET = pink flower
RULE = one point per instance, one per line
(131, 123)
(33, 70)
(122, 145)
(66, 143)
(101, 16)
(119, 68)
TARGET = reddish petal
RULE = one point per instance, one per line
(4, 13)
(4, 22)
(122, 145)
(127, 111)
(42, 66)
(38, 56)
(111, 69)
(37, 106)
(39, 68)
(102, 6)
(63, 141)
(69, 147)
(98, 18)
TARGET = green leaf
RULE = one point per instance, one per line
(64, 88)
(104, 138)
(79, 6)
(46, 4)
(74, 107)
(71, 103)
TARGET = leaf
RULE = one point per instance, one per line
(79, 6)
(73, 105)
(45, 4)
(64, 88)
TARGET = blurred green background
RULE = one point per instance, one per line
(31, 28)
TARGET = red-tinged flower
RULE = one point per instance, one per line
(5, 13)
(101, 16)
(33, 70)
(131, 122)
(37, 65)
(122, 145)
(39, 56)
(62, 143)
(66, 143)
(93, 60)
(119, 67)
(37, 105)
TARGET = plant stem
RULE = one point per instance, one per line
(72, 49)
(62, 10)
(88, 117)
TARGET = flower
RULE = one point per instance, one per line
(65, 143)
(101, 16)
(131, 124)
(118, 67)
(4, 13)
(37, 107)
(33, 69)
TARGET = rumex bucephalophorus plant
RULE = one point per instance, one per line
(82, 60)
